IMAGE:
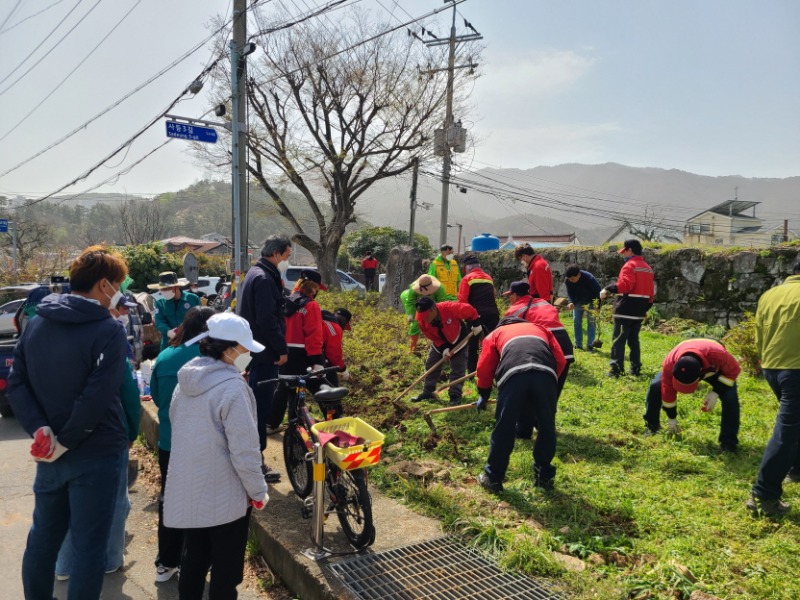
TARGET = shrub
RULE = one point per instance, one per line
(741, 341)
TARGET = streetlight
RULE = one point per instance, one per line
(459, 225)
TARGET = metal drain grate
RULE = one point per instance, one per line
(440, 569)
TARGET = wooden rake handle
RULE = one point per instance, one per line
(459, 380)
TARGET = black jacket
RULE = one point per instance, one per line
(260, 301)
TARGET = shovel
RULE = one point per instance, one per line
(460, 345)
(445, 409)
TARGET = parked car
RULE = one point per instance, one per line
(292, 274)
(6, 360)
(7, 312)
(205, 284)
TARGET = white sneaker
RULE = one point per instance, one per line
(165, 573)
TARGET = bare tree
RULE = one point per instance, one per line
(32, 237)
(334, 107)
(650, 227)
(141, 221)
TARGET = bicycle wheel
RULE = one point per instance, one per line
(298, 468)
(354, 507)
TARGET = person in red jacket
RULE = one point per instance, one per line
(686, 365)
(443, 324)
(540, 278)
(370, 266)
(334, 324)
(636, 288)
(477, 289)
(526, 361)
(304, 339)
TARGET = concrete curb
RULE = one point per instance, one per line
(283, 534)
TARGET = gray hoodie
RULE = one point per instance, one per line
(215, 463)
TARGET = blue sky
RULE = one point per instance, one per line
(707, 86)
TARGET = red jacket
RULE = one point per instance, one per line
(448, 333)
(332, 338)
(304, 331)
(518, 347)
(369, 263)
(540, 278)
(715, 358)
(477, 288)
(542, 313)
(636, 284)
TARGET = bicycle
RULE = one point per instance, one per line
(346, 490)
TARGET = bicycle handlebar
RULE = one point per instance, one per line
(310, 375)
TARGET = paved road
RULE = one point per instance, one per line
(135, 582)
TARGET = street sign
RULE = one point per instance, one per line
(193, 133)
(191, 269)
(3, 225)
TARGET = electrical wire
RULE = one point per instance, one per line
(36, 14)
(9, 15)
(85, 58)
(46, 54)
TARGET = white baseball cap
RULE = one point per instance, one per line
(230, 327)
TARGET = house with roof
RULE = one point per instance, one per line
(181, 243)
(540, 241)
(727, 224)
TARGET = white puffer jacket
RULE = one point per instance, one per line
(215, 463)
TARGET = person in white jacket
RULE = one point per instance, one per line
(215, 466)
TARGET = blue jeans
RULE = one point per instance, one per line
(264, 395)
(782, 453)
(591, 325)
(728, 397)
(116, 538)
(78, 495)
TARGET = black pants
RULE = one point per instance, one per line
(489, 323)
(527, 420)
(170, 540)
(626, 331)
(221, 547)
(264, 395)
(369, 280)
(525, 392)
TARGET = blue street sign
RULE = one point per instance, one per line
(3, 225)
(193, 133)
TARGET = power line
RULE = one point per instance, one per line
(46, 54)
(36, 14)
(85, 58)
(9, 15)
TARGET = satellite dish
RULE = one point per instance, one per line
(191, 270)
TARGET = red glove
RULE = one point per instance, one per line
(259, 504)
(43, 442)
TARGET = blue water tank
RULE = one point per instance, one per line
(484, 242)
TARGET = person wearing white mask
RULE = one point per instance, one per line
(172, 307)
(64, 389)
(213, 416)
(260, 301)
(445, 268)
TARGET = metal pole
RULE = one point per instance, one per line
(414, 175)
(236, 213)
(448, 121)
(240, 116)
(13, 225)
(318, 552)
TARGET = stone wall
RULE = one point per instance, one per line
(715, 287)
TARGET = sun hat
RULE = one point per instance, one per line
(686, 373)
(168, 279)
(231, 328)
(426, 285)
(520, 288)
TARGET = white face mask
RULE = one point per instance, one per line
(283, 265)
(124, 320)
(449, 257)
(195, 290)
(242, 361)
(168, 294)
(115, 298)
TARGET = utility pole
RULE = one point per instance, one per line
(414, 175)
(240, 200)
(460, 227)
(451, 134)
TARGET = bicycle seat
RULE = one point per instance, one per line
(327, 393)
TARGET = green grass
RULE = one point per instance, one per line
(646, 505)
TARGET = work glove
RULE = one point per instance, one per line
(171, 333)
(259, 504)
(316, 368)
(603, 294)
(45, 447)
(411, 318)
(447, 354)
(710, 401)
(344, 375)
(571, 306)
(477, 330)
(725, 380)
(672, 426)
(484, 398)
